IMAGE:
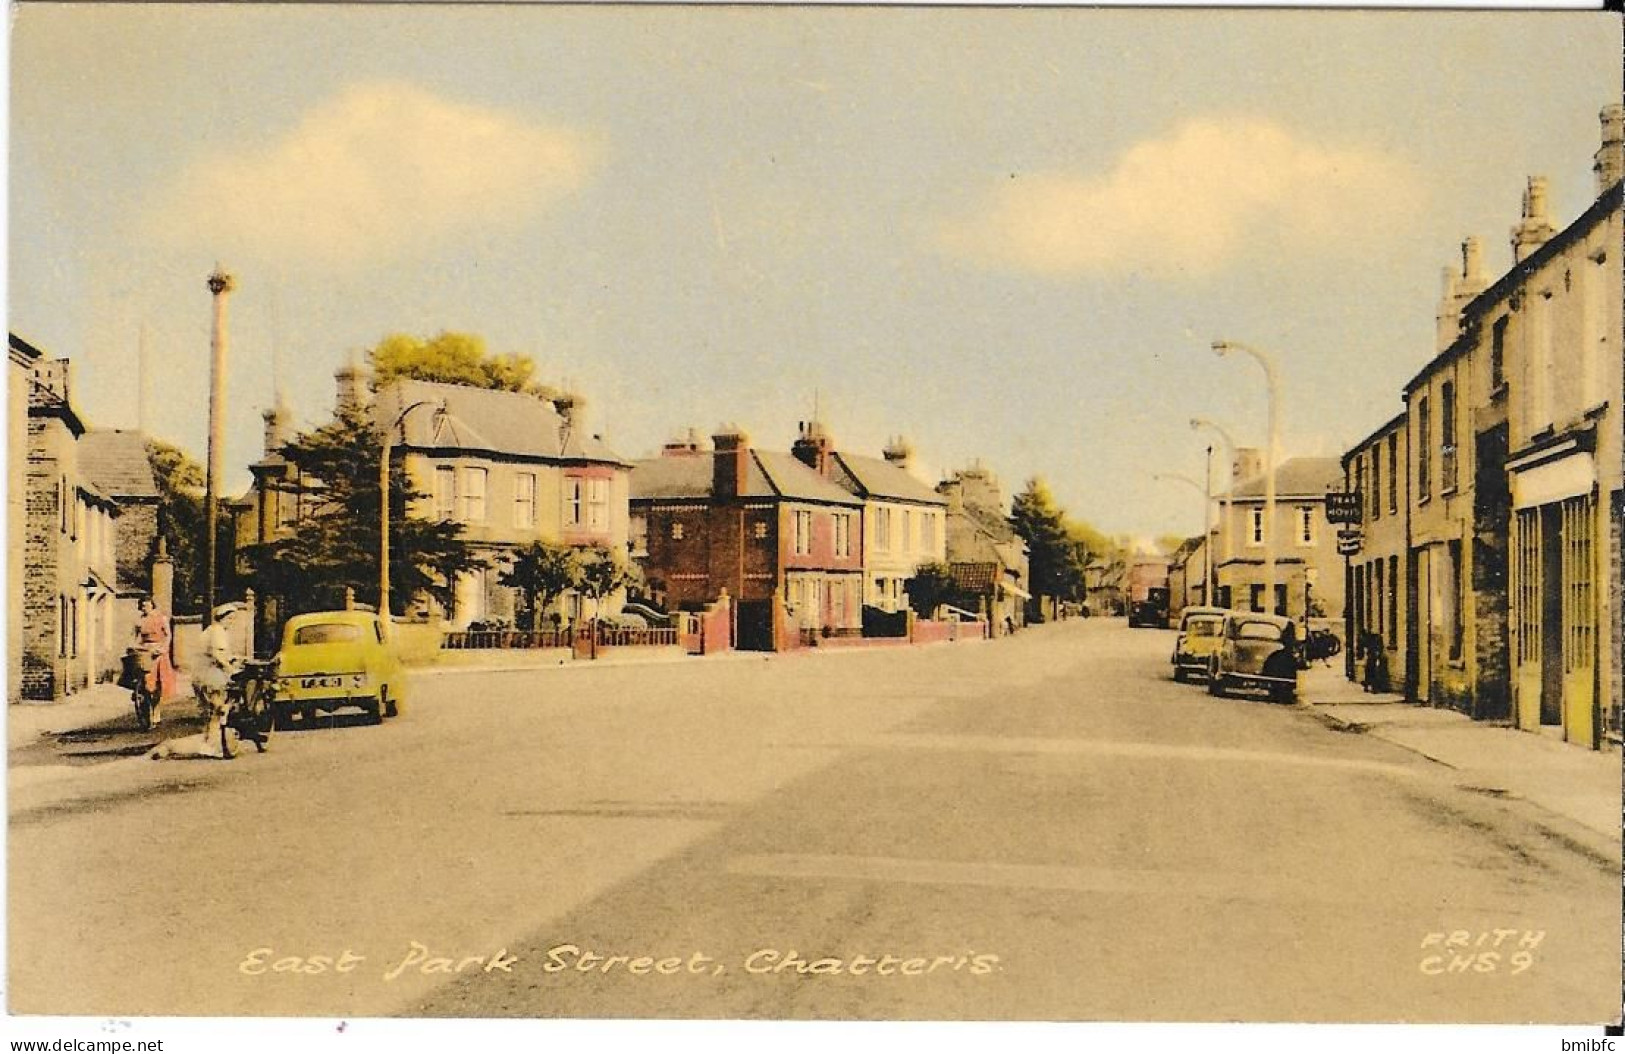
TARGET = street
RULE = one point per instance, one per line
(1044, 827)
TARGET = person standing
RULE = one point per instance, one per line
(212, 678)
(154, 635)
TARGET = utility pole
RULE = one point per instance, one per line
(220, 286)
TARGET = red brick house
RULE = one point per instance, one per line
(782, 541)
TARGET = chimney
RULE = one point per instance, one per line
(686, 445)
(1473, 281)
(953, 489)
(1535, 228)
(1449, 316)
(899, 453)
(812, 447)
(1249, 465)
(352, 386)
(1610, 159)
(277, 419)
(56, 377)
(731, 461)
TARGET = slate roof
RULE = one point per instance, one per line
(115, 461)
(1298, 477)
(875, 477)
(483, 421)
(977, 577)
(769, 474)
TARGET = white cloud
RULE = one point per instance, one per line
(382, 169)
(1189, 202)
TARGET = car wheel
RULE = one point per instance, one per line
(1284, 694)
(391, 707)
(1215, 684)
(375, 708)
(1179, 674)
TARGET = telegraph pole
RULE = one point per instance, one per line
(220, 286)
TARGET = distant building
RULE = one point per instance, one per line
(115, 461)
(781, 540)
(19, 381)
(1375, 468)
(1308, 571)
(1188, 571)
(985, 554)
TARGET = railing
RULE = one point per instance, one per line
(616, 637)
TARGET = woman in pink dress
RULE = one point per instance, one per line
(153, 635)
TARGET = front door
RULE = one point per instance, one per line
(1422, 590)
(1579, 639)
(1528, 610)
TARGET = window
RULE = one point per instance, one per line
(471, 499)
(1306, 525)
(1257, 535)
(1498, 354)
(445, 492)
(1393, 473)
(524, 499)
(882, 529)
(1256, 599)
(1380, 588)
(574, 498)
(843, 534)
(1376, 483)
(908, 531)
(928, 531)
(1447, 436)
(803, 533)
(1424, 447)
(1453, 599)
(1393, 601)
(598, 504)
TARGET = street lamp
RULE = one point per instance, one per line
(1267, 361)
(1207, 502)
(220, 284)
(383, 507)
(1198, 423)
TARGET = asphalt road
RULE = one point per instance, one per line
(1044, 827)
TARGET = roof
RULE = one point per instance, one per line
(875, 477)
(483, 420)
(1299, 476)
(1476, 308)
(978, 577)
(768, 475)
(22, 352)
(1381, 432)
(115, 460)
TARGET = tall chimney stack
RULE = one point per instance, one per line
(1535, 228)
(899, 453)
(1610, 159)
(812, 447)
(731, 461)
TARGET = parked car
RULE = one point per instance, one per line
(1200, 631)
(1152, 610)
(1256, 651)
(336, 659)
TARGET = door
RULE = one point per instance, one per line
(1422, 590)
(1527, 610)
(1553, 605)
(1577, 690)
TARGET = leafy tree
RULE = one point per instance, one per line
(932, 586)
(453, 358)
(604, 570)
(1054, 560)
(542, 572)
(181, 523)
(336, 545)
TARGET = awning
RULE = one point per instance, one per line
(1017, 590)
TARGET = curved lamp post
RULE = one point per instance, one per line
(383, 508)
(1207, 501)
(1230, 446)
(1272, 379)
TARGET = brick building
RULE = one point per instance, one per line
(115, 462)
(784, 542)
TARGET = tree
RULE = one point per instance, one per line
(181, 523)
(453, 358)
(336, 544)
(542, 572)
(932, 586)
(1054, 562)
(604, 570)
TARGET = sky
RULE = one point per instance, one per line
(1007, 235)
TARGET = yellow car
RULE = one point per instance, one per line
(335, 659)
(1200, 632)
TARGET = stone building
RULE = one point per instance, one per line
(69, 575)
(115, 462)
(780, 539)
(1375, 468)
(19, 381)
(985, 554)
(1308, 571)
(513, 468)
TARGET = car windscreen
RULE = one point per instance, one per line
(1203, 627)
(326, 633)
(1258, 631)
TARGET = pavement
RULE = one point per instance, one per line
(1580, 789)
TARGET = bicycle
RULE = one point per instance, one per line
(140, 676)
(250, 706)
